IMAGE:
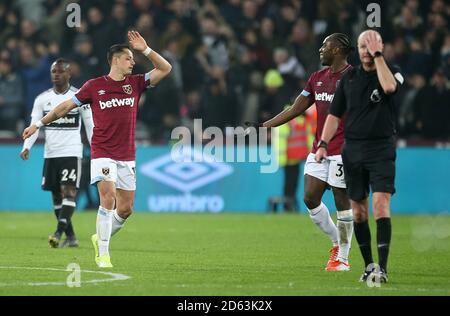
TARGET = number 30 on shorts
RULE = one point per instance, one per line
(66, 175)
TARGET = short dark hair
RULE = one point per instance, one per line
(62, 61)
(343, 42)
(115, 49)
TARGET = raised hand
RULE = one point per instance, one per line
(374, 42)
(137, 42)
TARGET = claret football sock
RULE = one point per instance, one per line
(321, 217)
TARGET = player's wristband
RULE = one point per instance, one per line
(39, 124)
(147, 51)
(322, 144)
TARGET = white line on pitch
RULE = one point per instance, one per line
(114, 277)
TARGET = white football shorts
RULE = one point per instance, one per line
(123, 173)
(330, 170)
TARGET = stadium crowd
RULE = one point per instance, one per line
(233, 60)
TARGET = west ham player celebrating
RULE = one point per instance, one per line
(318, 176)
(114, 102)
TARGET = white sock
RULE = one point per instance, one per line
(321, 217)
(104, 223)
(345, 232)
(117, 222)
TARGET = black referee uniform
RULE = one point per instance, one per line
(369, 150)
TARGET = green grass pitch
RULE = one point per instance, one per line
(217, 254)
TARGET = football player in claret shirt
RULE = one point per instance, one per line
(114, 102)
(319, 176)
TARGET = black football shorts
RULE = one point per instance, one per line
(369, 166)
(61, 171)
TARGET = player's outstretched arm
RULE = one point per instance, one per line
(59, 111)
(162, 66)
(300, 105)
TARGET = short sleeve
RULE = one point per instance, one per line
(397, 75)
(339, 103)
(143, 81)
(84, 95)
(309, 87)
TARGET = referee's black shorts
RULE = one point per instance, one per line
(369, 165)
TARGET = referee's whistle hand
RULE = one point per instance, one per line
(321, 154)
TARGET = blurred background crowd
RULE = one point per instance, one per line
(233, 60)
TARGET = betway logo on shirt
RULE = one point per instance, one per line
(324, 96)
(116, 102)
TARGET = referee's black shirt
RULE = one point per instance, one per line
(370, 112)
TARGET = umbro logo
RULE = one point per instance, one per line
(101, 92)
(319, 83)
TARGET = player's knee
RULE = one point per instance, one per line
(311, 201)
(342, 203)
(359, 217)
(341, 199)
(68, 192)
(380, 209)
(377, 205)
(125, 211)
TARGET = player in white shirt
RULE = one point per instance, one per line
(63, 150)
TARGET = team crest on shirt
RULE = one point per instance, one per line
(105, 171)
(127, 89)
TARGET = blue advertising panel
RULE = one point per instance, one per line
(165, 185)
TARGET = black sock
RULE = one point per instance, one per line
(64, 220)
(57, 212)
(362, 234)
(384, 231)
(70, 233)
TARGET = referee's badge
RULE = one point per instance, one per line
(375, 97)
(127, 89)
(105, 171)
